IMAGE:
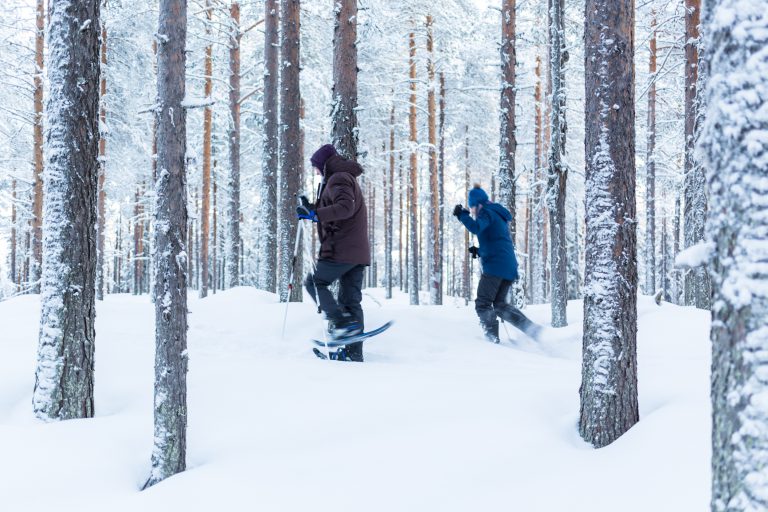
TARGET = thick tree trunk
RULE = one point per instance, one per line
(37, 197)
(205, 230)
(650, 171)
(609, 368)
(735, 162)
(102, 197)
(697, 286)
(169, 452)
(270, 156)
(435, 263)
(65, 364)
(413, 269)
(558, 171)
(344, 116)
(508, 141)
(233, 185)
(290, 159)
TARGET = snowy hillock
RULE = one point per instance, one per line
(436, 419)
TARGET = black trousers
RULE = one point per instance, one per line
(350, 277)
(491, 302)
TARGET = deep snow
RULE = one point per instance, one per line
(436, 419)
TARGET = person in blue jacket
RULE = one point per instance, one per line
(490, 223)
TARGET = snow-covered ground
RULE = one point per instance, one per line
(436, 419)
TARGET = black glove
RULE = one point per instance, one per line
(306, 204)
(474, 251)
(458, 210)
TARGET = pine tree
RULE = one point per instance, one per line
(37, 200)
(65, 363)
(233, 183)
(344, 116)
(102, 197)
(170, 444)
(508, 141)
(270, 156)
(650, 170)
(205, 214)
(290, 159)
(558, 170)
(413, 267)
(734, 151)
(609, 368)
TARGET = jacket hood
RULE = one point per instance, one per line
(338, 164)
(499, 210)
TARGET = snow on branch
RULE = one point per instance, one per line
(198, 102)
(695, 256)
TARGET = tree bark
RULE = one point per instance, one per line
(233, 185)
(609, 367)
(65, 363)
(13, 276)
(435, 270)
(37, 199)
(441, 177)
(344, 115)
(170, 404)
(650, 171)
(205, 230)
(735, 163)
(270, 156)
(102, 197)
(558, 170)
(697, 287)
(467, 270)
(290, 159)
(537, 253)
(389, 193)
(508, 140)
(413, 269)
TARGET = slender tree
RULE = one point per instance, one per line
(233, 184)
(435, 263)
(697, 287)
(205, 214)
(344, 115)
(609, 368)
(290, 159)
(170, 445)
(37, 197)
(650, 170)
(65, 363)
(102, 197)
(413, 267)
(270, 156)
(508, 142)
(389, 194)
(737, 99)
(558, 170)
(537, 252)
(13, 276)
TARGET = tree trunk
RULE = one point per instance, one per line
(508, 142)
(102, 197)
(170, 405)
(413, 270)
(677, 279)
(558, 170)
(215, 232)
(344, 116)
(389, 194)
(12, 275)
(205, 230)
(609, 368)
(697, 286)
(650, 171)
(37, 200)
(400, 234)
(537, 253)
(290, 159)
(435, 258)
(137, 246)
(441, 178)
(65, 364)
(233, 186)
(467, 270)
(270, 156)
(738, 224)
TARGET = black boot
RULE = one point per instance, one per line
(490, 327)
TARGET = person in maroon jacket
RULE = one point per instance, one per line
(342, 227)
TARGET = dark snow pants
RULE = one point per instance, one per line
(350, 277)
(491, 302)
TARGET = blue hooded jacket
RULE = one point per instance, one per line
(497, 252)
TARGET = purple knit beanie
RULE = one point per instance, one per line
(322, 155)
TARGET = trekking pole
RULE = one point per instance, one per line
(299, 230)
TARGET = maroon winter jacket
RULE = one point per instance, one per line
(342, 216)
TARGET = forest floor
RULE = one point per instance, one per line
(436, 419)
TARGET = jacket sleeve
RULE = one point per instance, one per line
(475, 226)
(341, 189)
